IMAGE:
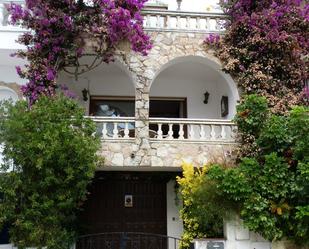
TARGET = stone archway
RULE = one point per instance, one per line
(190, 77)
(168, 47)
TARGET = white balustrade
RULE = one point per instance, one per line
(154, 20)
(115, 128)
(165, 20)
(165, 129)
(195, 130)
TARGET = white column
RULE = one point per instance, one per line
(115, 131)
(104, 131)
(170, 131)
(126, 130)
(160, 133)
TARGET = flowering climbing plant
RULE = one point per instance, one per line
(59, 31)
(266, 49)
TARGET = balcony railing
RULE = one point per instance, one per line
(154, 20)
(193, 22)
(195, 130)
(163, 129)
(115, 128)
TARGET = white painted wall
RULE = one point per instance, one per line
(192, 80)
(8, 74)
(174, 223)
(239, 237)
(8, 246)
(185, 79)
(236, 237)
(106, 80)
(8, 37)
(188, 80)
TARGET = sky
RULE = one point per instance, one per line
(192, 5)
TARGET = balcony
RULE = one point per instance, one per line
(181, 21)
(162, 115)
(154, 21)
(173, 141)
(122, 129)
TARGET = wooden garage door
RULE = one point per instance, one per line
(106, 211)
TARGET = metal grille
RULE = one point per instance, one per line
(127, 240)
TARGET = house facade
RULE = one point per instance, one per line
(152, 113)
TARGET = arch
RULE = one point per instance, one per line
(124, 68)
(8, 93)
(203, 60)
(213, 66)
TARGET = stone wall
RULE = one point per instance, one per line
(168, 46)
(165, 154)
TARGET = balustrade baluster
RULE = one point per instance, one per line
(148, 21)
(217, 27)
(188, 20)
(207, 27)
(160, 133)
(126, 130)
(115, 131)
(213, 133)
(104, 130)
(178, 22)
(168, 22)
(198, 23)
(223, 132)
(170, 131)
(158, 24)
(202, 132)
(191, 133)
(181, 132)
(233, 132)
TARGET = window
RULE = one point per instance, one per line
(112, 106)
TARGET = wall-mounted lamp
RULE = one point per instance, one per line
(85, 93)
(206, 97)
(224, 106)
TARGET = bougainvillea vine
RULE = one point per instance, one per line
(60, 31)
(266, 49)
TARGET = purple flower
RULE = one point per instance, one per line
(18, 70)
(306, 92)
(50, 74)
(212, 39)
(57, 29)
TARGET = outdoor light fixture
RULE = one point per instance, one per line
(206, 97)
(179, 4)
(85, 94)
(224, 106)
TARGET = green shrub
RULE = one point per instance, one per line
(53, 151)
(270, 191)
(275, 136)
(252, 114)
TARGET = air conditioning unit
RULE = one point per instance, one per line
(209, 244)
